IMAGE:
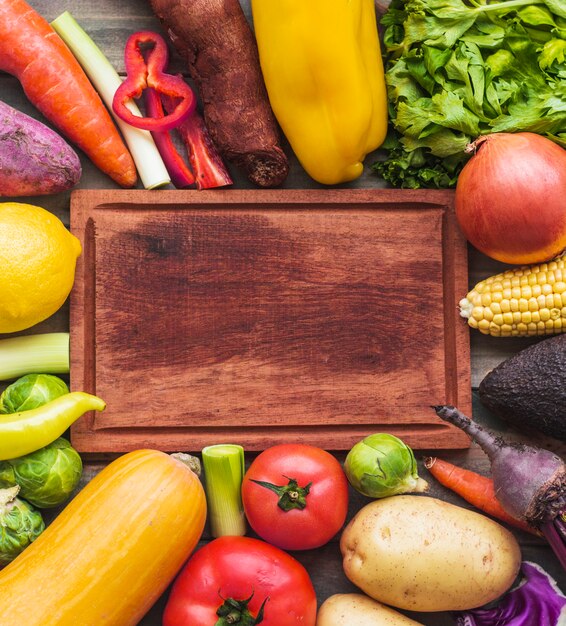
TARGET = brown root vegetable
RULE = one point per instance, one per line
(215, 39)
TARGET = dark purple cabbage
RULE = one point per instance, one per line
(534, 601)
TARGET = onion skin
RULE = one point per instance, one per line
(511, 198)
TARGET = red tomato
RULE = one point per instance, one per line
(244, 577)
(301, 500)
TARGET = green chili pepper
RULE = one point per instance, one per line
(27, 431)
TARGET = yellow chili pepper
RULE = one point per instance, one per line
(27, 431)
(322, 66)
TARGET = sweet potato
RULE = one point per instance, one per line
(215, 39)
(34, 160)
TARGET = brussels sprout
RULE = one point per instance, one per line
(30, 392)
(46, 477)
(382, 465)
(20, 524)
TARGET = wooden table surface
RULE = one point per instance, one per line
(109, 23)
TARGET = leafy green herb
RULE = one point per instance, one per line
(456, 70)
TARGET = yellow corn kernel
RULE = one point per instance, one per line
(495, 307)
(485, 299)
(555, 300)
(498, 319)
(526, 317)
(523, 305)
(508, 318)
(526, 292)
(494, 329)
(484, 325)
(477, 313)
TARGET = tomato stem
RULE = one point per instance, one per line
(291, 496)
(236, 612)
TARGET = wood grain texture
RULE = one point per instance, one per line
(255, 317)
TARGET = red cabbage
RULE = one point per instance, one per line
(534, 601)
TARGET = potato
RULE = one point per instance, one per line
(355, 609)
(422, 554)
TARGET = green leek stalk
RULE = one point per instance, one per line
(106, 80)
(223, 473)
(46, 353)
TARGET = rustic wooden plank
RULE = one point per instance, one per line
(267, 315)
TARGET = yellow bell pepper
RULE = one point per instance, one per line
(322, 66)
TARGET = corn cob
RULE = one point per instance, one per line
(525, 301)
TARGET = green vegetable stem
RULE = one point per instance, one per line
(27, 431)
(223, 472)
(383, 465)
(29, 354)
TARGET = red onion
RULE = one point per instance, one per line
(511, 197)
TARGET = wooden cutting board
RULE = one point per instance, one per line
(262, 317)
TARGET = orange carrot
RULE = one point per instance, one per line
(475, 489)
(56, 85)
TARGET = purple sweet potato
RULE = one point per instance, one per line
(34, 160)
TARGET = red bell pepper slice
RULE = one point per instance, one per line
(181, 175)
(148, 70)
(207, 164)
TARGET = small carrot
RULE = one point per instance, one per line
(475, 489)
(56, 85)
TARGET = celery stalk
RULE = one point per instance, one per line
(106, 80)
(46, 353)
(223, 472)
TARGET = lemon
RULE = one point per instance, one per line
(37, 265)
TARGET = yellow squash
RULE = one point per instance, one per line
(111, 553)
(322, 66)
